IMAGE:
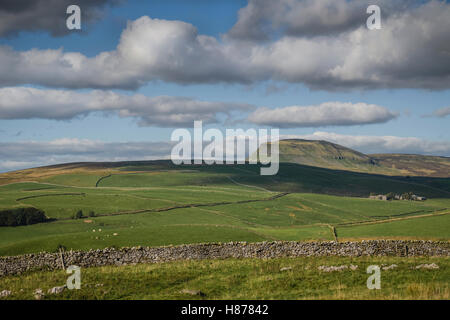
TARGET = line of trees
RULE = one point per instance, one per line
(21, 217)
(80, 215)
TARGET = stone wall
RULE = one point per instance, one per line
(102, 257)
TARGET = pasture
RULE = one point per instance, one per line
(281, 278)
(156, 203)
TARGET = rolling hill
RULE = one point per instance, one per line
(156, 203)
(415, 165)
(329, 155)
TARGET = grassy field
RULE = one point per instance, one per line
(246, 279)
(291, 177)
(420, 228)
(156, 204)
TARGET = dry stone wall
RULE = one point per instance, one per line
(109, 256)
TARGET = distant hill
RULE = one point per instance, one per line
(329, 155)
(415, 165)
(291, 177)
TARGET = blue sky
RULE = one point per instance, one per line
(412, 98)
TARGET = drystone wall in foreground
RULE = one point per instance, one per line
(109, 256)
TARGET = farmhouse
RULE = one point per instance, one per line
(390, 196)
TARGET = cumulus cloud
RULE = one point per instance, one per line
(410, 51)
(381, 144)
(20, 155)
(46, 15)
(169, 111)
(325, 114)
(260, 19)
(165, 111)
(149, 49)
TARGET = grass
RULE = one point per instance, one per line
(291, 177)
(73, 179)
(292, 217)
(332, 156)
(436, 227)
(114, 199)
(126, 200)
(415, 164)
(134, 204)
(245, 279)
(153, 229)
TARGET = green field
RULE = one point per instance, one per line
(156, 203)
(245, 279)
(422, 228)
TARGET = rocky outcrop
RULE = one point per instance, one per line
(102, 257)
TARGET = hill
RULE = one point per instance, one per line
(415, 165)
(155, 203)
(292, 177)
(329, 155)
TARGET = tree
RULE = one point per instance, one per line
(21, 216)
(407, 195)
(390, 196)
(79, 214)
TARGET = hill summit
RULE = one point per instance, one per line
(324, 154)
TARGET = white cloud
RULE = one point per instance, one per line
(442, 112)
(27, 103)
(325, 114)
(261, 18)
(410, 51)
(149, 49)
(381, 144)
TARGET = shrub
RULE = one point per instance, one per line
(79, 214)
(91, 214)
(21, 216)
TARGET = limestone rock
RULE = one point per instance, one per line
(286, 269)
(5, 293)
(192, 292)
(39, 294)
(428, 266)
(56, 290)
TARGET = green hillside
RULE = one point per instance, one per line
(326, 155)
(156, 203)
(329, 155)
(415, 165)
(291, 178)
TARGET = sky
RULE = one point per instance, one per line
(137, 70)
